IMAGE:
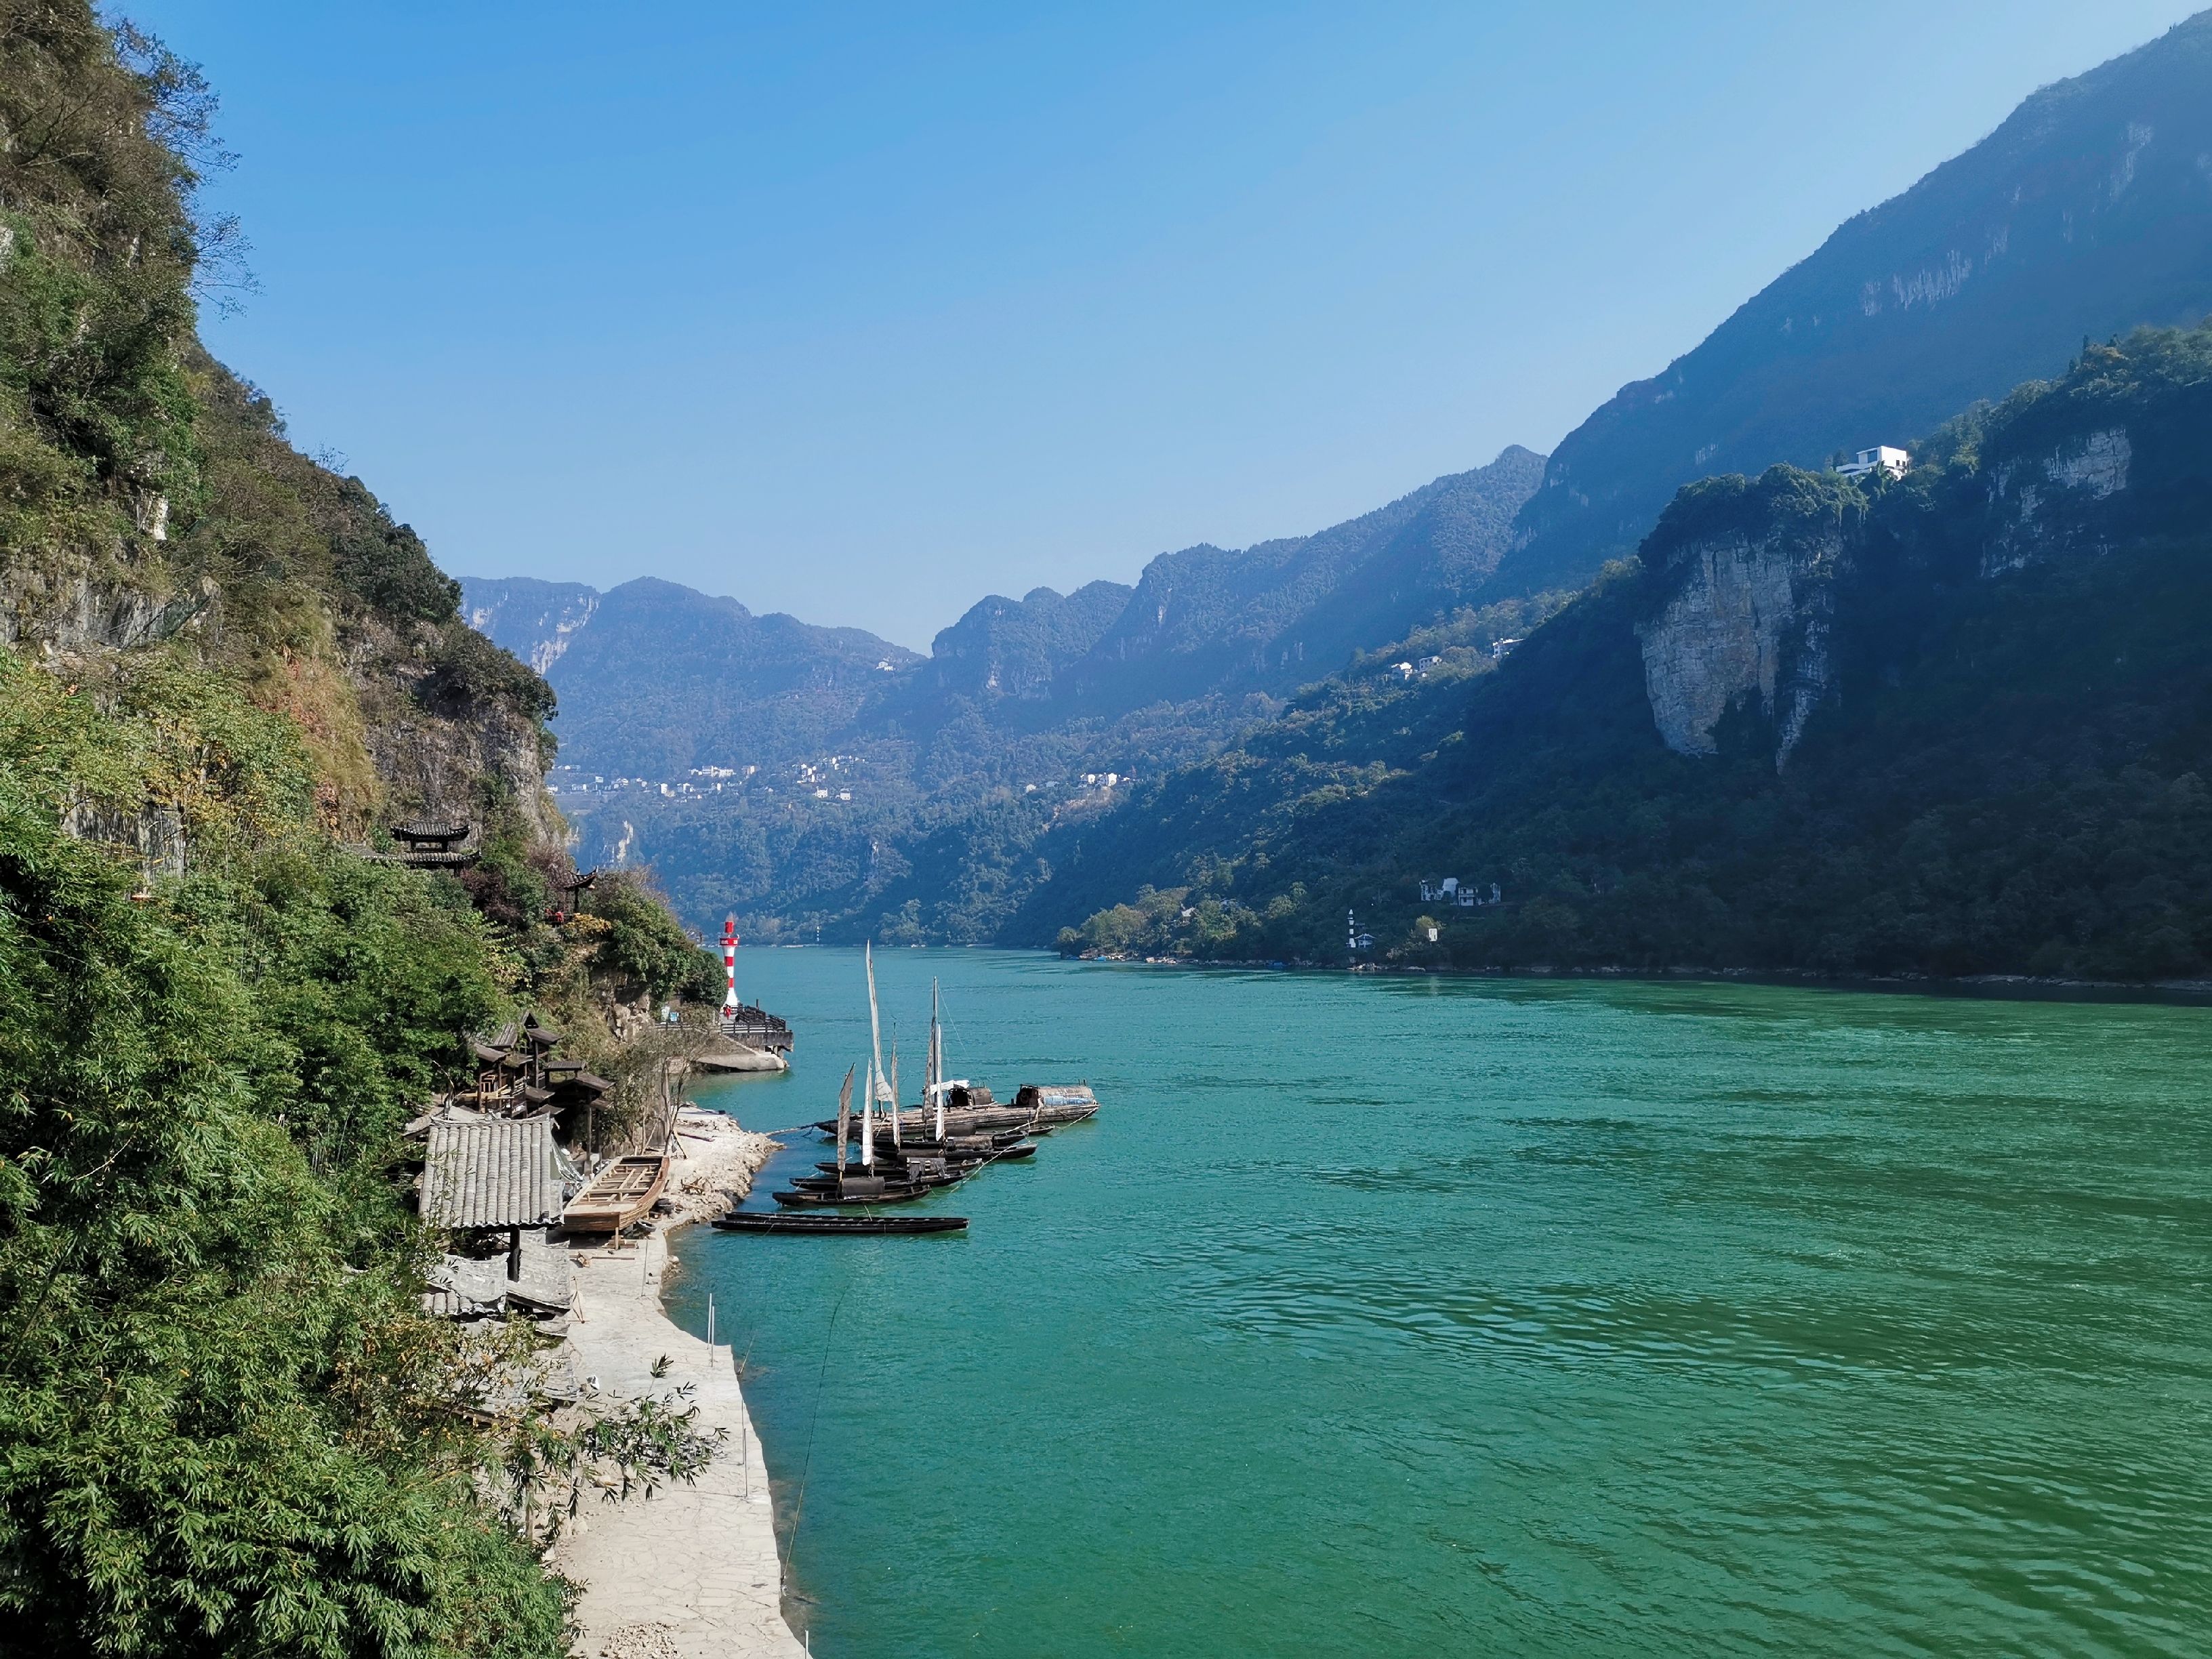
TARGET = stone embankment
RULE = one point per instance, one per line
(692, 1572)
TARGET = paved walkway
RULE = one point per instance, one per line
(691, 1573)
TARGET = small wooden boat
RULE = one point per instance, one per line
(877, 1191)
(1056, 1105)
(826, 1181)
(952, 1146)
(617, 1195)
(778, 1221)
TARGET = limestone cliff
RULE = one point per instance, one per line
(298, 585)
(2046, 503)
(1743, 577)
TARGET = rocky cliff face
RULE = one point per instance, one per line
(2046, 503)
(444, 745)
(1744, 579)
(536, 620)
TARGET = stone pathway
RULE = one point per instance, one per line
(692, 1572)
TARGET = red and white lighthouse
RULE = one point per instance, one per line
(730, 967)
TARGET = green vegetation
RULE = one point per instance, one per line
(226, 1426)
(2004, 772)
(223, 1424)
(644, 947)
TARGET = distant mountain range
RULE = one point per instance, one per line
(1958, 722)
(944, 797)
(655, 678)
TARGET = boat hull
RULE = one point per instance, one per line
(616, 1196)
(799, 1199)
(833, 1226)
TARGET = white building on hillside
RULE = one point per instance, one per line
(1882, 457)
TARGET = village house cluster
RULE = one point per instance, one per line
(1450, 891)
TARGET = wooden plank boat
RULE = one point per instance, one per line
(777, 1221)
(827, 1181)
(854, 1192)
(952, 1146)
(617, 1195)
(1056, 1104)
(918, 1124)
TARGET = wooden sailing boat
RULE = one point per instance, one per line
(844, 1186)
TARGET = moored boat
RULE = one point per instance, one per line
(1056, 1105)
(617, 1195)
(782, 1221)
(875, 1190)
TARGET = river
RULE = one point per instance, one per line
(1391, 1316)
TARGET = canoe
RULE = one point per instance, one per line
(886, 1193)
(777, 1221)
(827, 1181)
(616, 1196)
(953, 1146)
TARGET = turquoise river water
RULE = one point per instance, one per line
(1417, 1316)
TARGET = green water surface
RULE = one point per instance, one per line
(1387, 1316)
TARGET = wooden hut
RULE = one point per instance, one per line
(495, 1175)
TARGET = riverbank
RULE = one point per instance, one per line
(693, 1571)
(2187, 992)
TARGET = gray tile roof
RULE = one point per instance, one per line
(500, 1173)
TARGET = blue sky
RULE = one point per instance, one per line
(861, 311)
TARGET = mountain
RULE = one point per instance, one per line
(1019, 648)
(809, 777)
(2087, 213)
(1955, 722)
(1274, 617)
(656, 679)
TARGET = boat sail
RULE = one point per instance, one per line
(844, 1117)
(876, 1042)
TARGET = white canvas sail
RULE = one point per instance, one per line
(868, 1122)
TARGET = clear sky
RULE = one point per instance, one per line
(863, 311)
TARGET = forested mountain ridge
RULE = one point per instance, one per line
(803, 776)
(1949, 724)
(1280, 614)
(225, 1424)
(659, 679)
(2085, 214)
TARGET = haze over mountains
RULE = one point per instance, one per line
(950, 788)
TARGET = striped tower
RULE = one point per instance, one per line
(730, 967)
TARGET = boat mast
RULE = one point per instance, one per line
(844, 1118)
(898, 1108)
(937, 1062)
